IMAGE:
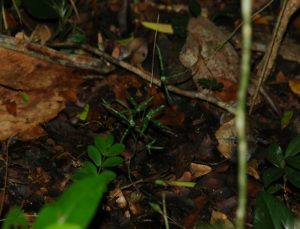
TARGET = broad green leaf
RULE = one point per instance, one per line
(293, 162)
(272, 174)
(95, 155)
(271, 213)
(112, 162)
(274, 188)
(286, 119)
(293, 147)
(42, 9)
(15, 219)
(275, 155)
(84, 113)
(77, 204)
(87, 170)
(63, 226)
(293, 176)
(116, 149)
(159, 27)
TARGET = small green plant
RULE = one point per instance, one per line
(138, 119)
(73, 209)
(104, 154)
(286, 165)
(211, 84)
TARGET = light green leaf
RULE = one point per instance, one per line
(87, 170)
(84, 113)
(63, 226)
(15, 219)
(24, 96)
(286, 119)
(77, 204)
(159, 27)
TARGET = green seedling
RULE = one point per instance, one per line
(286, 165)
(138, 118)
(104, 154)
(164, 79)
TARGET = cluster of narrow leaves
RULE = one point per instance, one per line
(104, 154)
(138, 118)
(286, 164)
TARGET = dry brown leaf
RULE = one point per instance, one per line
(199, 170)
(252, 169)
(295, 86)
(47, 85)
(226, 137)
(220, 218)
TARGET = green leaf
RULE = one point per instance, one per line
(103, 143)
(116, 149)
(42, 9)
(274, 188)
(15, 219)
(95, 155)
(156, 207)
(112, 162)
(286, 119)
(275, 155)
(293, 147)
(25, 97)
(293, 176)
(293, 162)
(63, 226)
(87, 170)
(78, 204)
(272, 174)
(271, 213)
(84, 114)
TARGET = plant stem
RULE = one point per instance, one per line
(241, 114)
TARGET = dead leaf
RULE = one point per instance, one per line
(199, 170)
(47, 85)
(295, 86)
(220, 218)
(252, 169)
(229, 91)
(226, 137)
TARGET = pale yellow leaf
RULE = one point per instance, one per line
(159, 27)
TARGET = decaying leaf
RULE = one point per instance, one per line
(199, 170)
(226, 137)
(295, 86)
(220, 218)
(47, 85)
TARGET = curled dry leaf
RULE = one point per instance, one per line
(199, 170)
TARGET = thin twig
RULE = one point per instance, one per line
(288, 9)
